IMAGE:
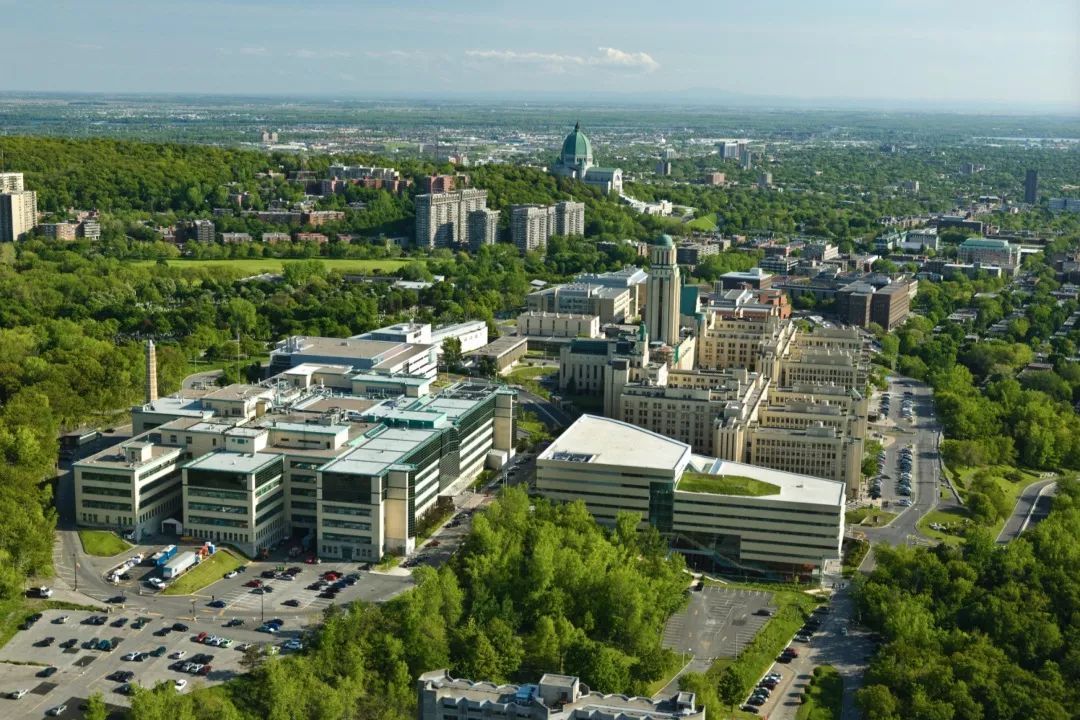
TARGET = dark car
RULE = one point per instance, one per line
(202, 659)
(216, 603)
(328, 595)
(292, 603)
(46, 672)
(119, 622)
(126, 689)
(267, 574)
(45, 642)
(180, 627)
(162, 632)
(235, 622)
(158, 651)
(267, 589)
(764, 612)
(139, 624)
(69, 643)
(99, 620)
(295, 570)
(756, 700)
(117, 599)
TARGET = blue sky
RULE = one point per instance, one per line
(961, 53)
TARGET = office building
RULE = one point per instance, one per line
(724, 516)
(715, 178)
(483, 228)
(663, 289)
(235, 238)
(708, 410)
(390, 357)
(611, 304)
(755, 278)
(555, 697)
(754, 343)
(18, 213)
(747, 303)
(442, 219)
(821, 251)
(921, 240)
(693, 253)
(817, 366)
(819, 451)
(502, 353)
(11, 182)
(1031, 187)
(558, 325)
(764, 180)
(778, 264)
(887, 304)
(472, 334)
(251, 465)
(90, 228)
(989, 251)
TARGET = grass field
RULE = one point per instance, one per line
(949, 516)
(868, 517)
(14, 611)
(854, 552)
(102, 543)
(825, 697)
(705, 223)
(529, 377)
(255, 266)
(209, 570)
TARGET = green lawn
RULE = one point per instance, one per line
(705, 223)
(255, 266)
(954, 517)
(824, 699)
(529, 378)
(675, 663)
(14, 611)
(868, 517)
(102, 543)
(208, 571)
(854, 552)
(725, 485)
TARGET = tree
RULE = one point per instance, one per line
(95, 707)
(452, 353)
(729, 688)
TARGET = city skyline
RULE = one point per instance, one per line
(838, 53)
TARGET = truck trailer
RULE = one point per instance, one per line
(164, 555)
(179, 565)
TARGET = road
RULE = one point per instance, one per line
(1031, 506)
(924, 432)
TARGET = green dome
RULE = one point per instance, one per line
(664, 241)
(577, 146)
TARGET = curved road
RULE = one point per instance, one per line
(1025, 513)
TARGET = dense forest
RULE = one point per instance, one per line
(979, 632)
(533, 590)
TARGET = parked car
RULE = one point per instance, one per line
(179, 655)
(46, 672)
(231, 574)
(180, 627)
(216, 603)
(58, 710)
(235, 622)
(293, 602)
(158, 651)
(119, 622)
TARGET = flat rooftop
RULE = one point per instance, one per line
(594, 439)
(793, 487)
(238, 391)
(374, 455)
(376, 351)
(114, 458)
(188, 405)
(232, 461)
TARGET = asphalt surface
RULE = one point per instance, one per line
(1032, 506)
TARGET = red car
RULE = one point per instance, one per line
(253, 583)
(200, 637)
(331, 576)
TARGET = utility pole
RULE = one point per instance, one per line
(75, 563)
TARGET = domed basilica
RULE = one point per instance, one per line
(576, 161)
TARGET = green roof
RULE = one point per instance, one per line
(664, 241)
(725, 485)
(576, 144)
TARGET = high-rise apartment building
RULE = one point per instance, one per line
(442, 219)
(18, 213)
(569, 218)
(531, 226)
(663, 289)
(11, 182)
(203, 230)
(483, 228)
(1031, 187)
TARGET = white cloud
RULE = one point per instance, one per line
(554, 62)
(308, 54)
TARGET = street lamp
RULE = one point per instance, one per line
(262, 606)
(192, 609)
(75, 564)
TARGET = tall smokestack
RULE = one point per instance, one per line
(151, 372)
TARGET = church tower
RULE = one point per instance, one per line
(663, 289)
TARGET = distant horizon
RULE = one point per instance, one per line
(959, 55)
(674, 99)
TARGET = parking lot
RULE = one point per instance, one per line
(81, 670)
(716, 623)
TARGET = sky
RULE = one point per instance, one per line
(1023, 56)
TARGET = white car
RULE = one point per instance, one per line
(131, 656)
(293, 644)
(17, 694)
(60, 620)
(179, 655)
(180, 684)
(231, 574)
